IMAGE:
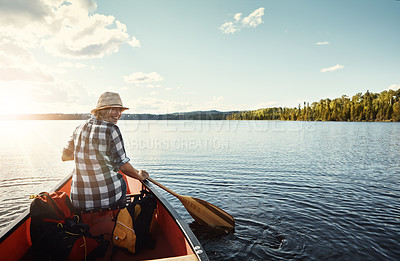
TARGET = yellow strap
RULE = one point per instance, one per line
(84, 244)
(84, 241)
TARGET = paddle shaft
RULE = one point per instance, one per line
(164, 187)
(202, 211)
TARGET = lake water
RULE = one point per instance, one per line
(298, 190)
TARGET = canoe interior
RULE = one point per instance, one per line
(174, 240)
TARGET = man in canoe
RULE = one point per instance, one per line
(98, 150)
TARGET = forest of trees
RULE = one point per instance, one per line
(384, 106)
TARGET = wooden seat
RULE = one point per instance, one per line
(129, 198)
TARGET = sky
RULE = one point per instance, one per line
(166, 56)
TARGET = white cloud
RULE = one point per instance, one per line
(253, 20)
(322, 43)
(63, 28)
(48, 97)
(154, 105)
(237, 17)
(140, 77)
(67, 29)
(89, 37)
(134, 42)
(229, 28)
(393, 87)
(21, 75)
(21, 12)
(18, 64)
(68, 93)
(332, 68)
(72, 65)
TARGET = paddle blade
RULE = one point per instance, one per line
(203, 212)
(206, 213)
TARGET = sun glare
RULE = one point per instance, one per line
(12, 103)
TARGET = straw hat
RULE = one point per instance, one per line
(109, 100)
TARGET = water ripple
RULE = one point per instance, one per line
(298, 191)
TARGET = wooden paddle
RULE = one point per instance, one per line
(203, 212)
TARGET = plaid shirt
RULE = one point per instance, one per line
(98, 153)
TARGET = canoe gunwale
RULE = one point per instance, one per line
(188, 233)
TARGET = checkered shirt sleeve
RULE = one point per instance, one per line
(69, 148)
(117, 148)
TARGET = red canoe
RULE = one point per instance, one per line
(174, 239)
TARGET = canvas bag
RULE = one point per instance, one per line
(57, 234)
(133, 223)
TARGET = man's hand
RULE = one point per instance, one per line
(143, 174)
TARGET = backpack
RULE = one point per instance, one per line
(133, 223)
(57, 234)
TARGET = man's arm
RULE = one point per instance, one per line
(130, 171)
(67, 155)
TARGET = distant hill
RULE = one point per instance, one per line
(195, 115)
